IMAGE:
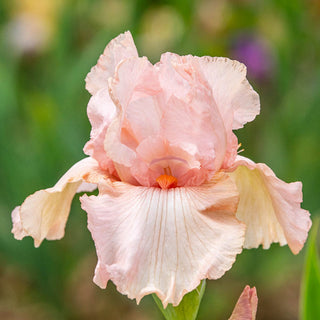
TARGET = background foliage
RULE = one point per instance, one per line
(47, 48)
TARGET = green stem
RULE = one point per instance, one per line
(188, 307)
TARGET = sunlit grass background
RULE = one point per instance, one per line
(48, 47)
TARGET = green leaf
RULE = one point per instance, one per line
(310, 289)
(188, 307)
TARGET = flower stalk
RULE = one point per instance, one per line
(188, 307)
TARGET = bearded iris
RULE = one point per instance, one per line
(176, 202)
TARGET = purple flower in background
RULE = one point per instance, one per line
(255, 54)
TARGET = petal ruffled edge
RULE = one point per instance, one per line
(118, 49)
(164, 241)
(43, 215)
(269, 207)
(192, 119)
(246, 307)
(231, 90)
(17, 229)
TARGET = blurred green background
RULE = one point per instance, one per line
(48, 47)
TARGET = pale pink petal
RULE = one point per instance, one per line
(17, 228)
(117, 151)
(134, 90)
(118, 49)
(177, 72)
(148, 166)
(155, 155)
(191, 118)
(121, 155)
(232, 150)
(269, 207)
(196, 129)
(144, 117)
(44, 214)
(164, 241)
(86, 187)
(246, 307)
(237, 101)
(101, 111)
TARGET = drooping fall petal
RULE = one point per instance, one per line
(44, 214)
(246, 307)
(269, 207)
(164, 241)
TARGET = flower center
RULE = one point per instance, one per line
(166, 181)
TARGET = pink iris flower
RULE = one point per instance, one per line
(176, 202)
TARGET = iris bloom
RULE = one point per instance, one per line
(176, 202)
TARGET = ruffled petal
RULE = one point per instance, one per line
(191, 117)
(237, 101)
(121, 155)
(134, 89)
(44, 214)
(164, 241)
(101, 111)
(17, 229)
(269, 207)
(196, 129)
(118, 49)
(246, 307)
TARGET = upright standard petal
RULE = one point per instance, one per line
(191, 118)
(118, 49)
(132, 90)
(269, 207)
(101, 111)
(246, 307)
(164, 241)
(237, 101)
(44, 214)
